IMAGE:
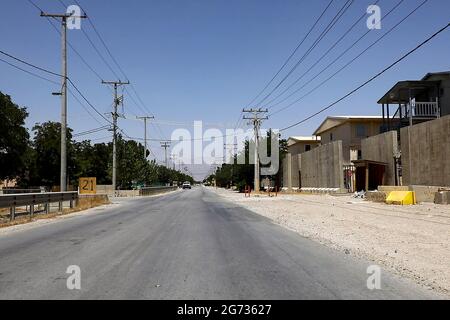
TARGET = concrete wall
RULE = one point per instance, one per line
(287, 171)
(428, 161)
(382, 148)
(290, 171)
(104, 189)
(323, 167)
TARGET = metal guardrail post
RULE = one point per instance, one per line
(31, 211)
(60, 206)
(47, 208)
(12, 212)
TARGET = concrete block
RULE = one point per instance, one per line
(424, 193)
(442, 197)
(376, 196)
(387, 189)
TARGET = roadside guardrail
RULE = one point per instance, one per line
(12, 201)
(15, 191)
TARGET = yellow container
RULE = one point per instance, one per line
(403, 198)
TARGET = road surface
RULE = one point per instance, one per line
(190, 244)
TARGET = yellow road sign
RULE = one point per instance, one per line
(88, 185)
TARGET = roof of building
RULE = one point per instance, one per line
(297, 139)
(400, 92)
(335, 121)
(430, 74)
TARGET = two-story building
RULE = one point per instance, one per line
(415, 101)
(350, 130)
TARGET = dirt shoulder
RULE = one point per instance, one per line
(412, 241)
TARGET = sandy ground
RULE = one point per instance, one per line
(413, 241)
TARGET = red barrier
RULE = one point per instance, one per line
(247, 191)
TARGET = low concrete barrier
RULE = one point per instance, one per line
(424, 193)
(155, 190)
(442, 197)
(376, 196)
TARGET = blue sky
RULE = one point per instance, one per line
(207, 59)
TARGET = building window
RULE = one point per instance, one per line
(331, 136)
(307, 148)
(361, 131)
(359, 155)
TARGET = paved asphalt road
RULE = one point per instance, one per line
(187, 245)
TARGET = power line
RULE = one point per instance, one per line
(370, 80)
(348, 63)
(51, 81)
(147, 111)
(87, 132)
(293, 52)
(324, 55)
(94, 46)
(30, 64)
(287, 61)
(68, 79)
(29, 72)
(330, 26)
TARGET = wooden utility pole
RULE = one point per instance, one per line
(256, 120)
(165, 145)
(63, 94)
(117, 101)
(145, 118)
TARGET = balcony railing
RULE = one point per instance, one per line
(422, 110)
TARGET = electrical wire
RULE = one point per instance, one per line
(370, 80)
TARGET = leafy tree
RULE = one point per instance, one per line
(242, 175)
(14, 138)
(37, 163)
(93, 161)
(47, 159)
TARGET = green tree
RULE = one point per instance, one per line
(242, 175)
(92, 161)
(14, 138)
(47, 147)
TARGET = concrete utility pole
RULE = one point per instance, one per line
(256, 120)
(117, 101)
(145, 118)
(63, 94)
(165, 145)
